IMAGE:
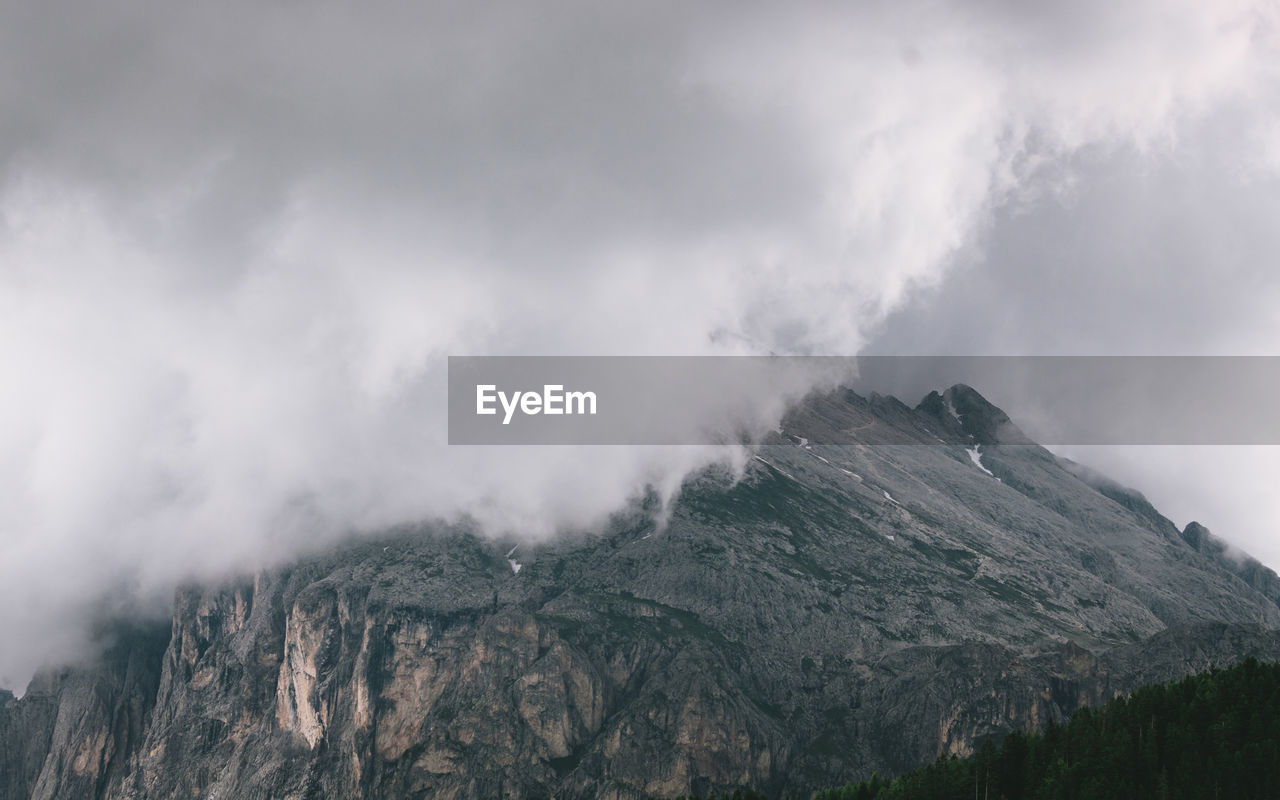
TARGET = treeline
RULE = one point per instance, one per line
(1215, 735)
(1212, 735)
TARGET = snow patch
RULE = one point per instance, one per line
(515, 565)
(889, 497)
(853, 475)
(976, 458)
(772, 466)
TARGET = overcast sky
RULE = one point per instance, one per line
(237, 241)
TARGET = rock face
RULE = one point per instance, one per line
(838, 609)
(76, 731)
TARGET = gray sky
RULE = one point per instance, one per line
(238, 239)
(1170, 254)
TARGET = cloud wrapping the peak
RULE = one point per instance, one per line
(237, 241)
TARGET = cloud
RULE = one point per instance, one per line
(239, 240)
(1167, 254)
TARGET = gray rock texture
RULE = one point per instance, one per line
(837, 609)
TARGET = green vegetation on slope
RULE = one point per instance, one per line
(1212, 735)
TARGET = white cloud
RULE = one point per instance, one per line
(238, 240)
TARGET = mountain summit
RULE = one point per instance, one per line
(979, 421)
(838, 609)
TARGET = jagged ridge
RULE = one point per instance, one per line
(841, 609)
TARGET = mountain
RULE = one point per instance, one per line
(838, 609)
(1214, 734)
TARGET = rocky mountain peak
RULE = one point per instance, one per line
(871, 593)
(969, 418)
(986, 423)
(1196, 534)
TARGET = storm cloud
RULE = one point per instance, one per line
(238, 240)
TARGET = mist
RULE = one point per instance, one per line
(237, 242)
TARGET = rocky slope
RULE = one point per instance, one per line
(838, 609)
